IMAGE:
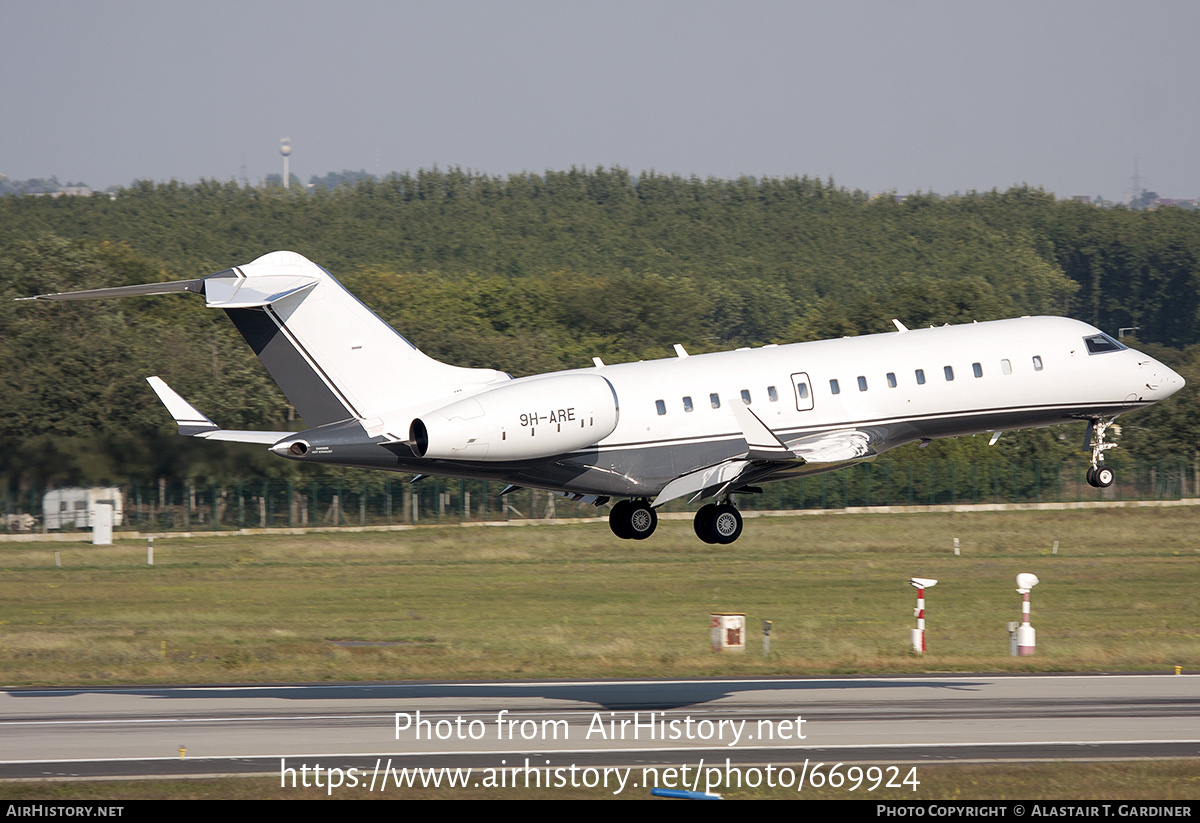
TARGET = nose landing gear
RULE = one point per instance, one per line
(1099, 476)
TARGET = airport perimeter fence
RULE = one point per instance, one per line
(387, 500)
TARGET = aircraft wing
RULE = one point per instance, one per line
(827, 447)
(833, 447)
(713, 481)
(192, 423)
(761, 444)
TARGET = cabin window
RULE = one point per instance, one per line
(802, 391)
(661, 406)
(833, 387)
(1006, 366)
(978, 369)
(1037, 362)
(687, 404)
(714, 400)
(920, 377)
(746, 396)
(1102, 344)
(891, 378)
(862, 383)
(772, 395)
(949, 372)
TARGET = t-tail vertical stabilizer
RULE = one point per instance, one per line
(332, 356)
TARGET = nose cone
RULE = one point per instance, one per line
(1161, 381)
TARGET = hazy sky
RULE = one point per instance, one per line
(879, 95)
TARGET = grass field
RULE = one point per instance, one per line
(572, 601)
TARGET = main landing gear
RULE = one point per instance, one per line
(1099, 476)
(632, 519)
(715, 523)
(718, 523)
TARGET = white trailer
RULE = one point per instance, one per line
(74, 507)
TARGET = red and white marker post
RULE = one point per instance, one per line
(918, 634)
(1026, 636)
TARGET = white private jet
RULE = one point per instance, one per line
(703, 427)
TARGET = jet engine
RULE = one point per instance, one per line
(523, 420)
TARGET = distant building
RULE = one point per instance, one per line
(1159, 202)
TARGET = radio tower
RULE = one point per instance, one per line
(285, 148)
(1137, 190)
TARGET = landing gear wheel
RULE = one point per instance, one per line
(1103, 477)
(618, 519)
(703, 523)
(726, 524)
(718, 523)
(632, 520)
(642, 520)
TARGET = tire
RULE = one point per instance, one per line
(702, 523)
(618, 519)
(1104, 477)
(726, 524)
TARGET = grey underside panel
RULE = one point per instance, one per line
(642, 469)
(301, 383)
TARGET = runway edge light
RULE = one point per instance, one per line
(1026, 636)
(918, 634)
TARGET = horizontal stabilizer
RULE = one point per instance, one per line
(192, 423)
(194, 286)
(226, 292)
(223, 290)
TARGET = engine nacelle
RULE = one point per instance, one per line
(525, 420)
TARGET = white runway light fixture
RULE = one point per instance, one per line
(1026, 636)
(918, 634)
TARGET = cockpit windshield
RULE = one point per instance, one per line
(1102, 344)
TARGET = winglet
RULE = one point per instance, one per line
(761, 442)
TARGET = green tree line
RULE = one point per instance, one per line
(531, 273)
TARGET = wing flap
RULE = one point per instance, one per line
(703, 482)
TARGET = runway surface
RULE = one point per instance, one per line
(64, 733)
